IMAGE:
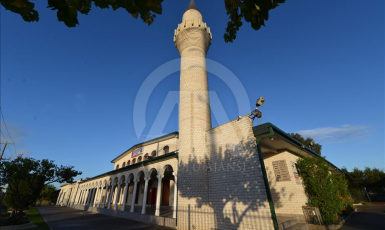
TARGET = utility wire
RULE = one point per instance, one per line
(5, 124)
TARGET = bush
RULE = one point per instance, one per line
(14, 220)
(326, 191)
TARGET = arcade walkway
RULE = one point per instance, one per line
(63, 218)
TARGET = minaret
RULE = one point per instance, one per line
(193, 38)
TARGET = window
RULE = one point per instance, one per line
(140, 159)
(117, 167)
(146, 156)
(153, 153)
(128, 163)
(166, 149)
(134, 161)
(124, 164)
(281, 171)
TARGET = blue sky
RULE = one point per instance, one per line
(68, 93)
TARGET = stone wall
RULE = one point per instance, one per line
(288, 196)
(237, 193)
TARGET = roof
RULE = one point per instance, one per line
(283, 141)
(192, 6)
(145, 143)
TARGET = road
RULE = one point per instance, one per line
(63, 218)
(370, 217)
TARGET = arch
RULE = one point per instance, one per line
(153, 153)
(128, 162)
(140, 159)
(133, 161)
(122, 178)
(130, 177)
(166, 149)
(117, 166)
(145, 156)
(152, 170)
(165, 168)
(124, 164)
(138, 175)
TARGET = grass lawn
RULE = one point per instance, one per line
(34, 216)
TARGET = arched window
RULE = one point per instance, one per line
(124, 164)
(128, 163)
(166, 149)
(117, 167)
(153, 153)
(134, 161)
(140, 159)
(146, 156)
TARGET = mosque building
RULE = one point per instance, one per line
(233, 176)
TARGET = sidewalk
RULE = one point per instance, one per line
(63, 218)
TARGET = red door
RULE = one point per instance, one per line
(151, 198)
(166, 193)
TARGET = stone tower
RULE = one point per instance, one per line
(192, 39)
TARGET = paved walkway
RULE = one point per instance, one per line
(367, 217)
(63, 218)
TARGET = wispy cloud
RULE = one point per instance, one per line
(80, 100)
(18, 134)
(341, 134)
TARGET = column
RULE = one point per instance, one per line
(158, 195)
(92, 197)
(145, 194)
(89, 194)
(134, 195)
(100, 196)
(110, 197)
(105, 196)
(58, 199)
(117, 196)
(175, 194)
(125, 195)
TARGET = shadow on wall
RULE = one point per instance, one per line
(236, 195)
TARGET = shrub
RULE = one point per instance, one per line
(326, 191)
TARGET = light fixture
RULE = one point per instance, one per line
(256, 113)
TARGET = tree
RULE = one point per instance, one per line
(255, 12)
(26, 177)
(308, 142)
(47, 192)
(371, 179)
(326, 191)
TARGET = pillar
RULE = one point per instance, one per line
(100, 196)
(105, 196)
(134, 195)
(125, 195)
(110, 197)
(145, 194)
(175, 195)
(158, 195)
(117, 195)
(92, 197)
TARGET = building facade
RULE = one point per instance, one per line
(233, 176)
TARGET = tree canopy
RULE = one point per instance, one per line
(308, 142)
(255, 12)
(26, 177)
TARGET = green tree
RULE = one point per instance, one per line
(26, 177)
(308, 142)
(47, 192)
(326, 191)
(255, 12)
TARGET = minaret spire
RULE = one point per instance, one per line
(192, 6)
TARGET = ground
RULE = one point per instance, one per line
(367, 217)
(65, 218)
